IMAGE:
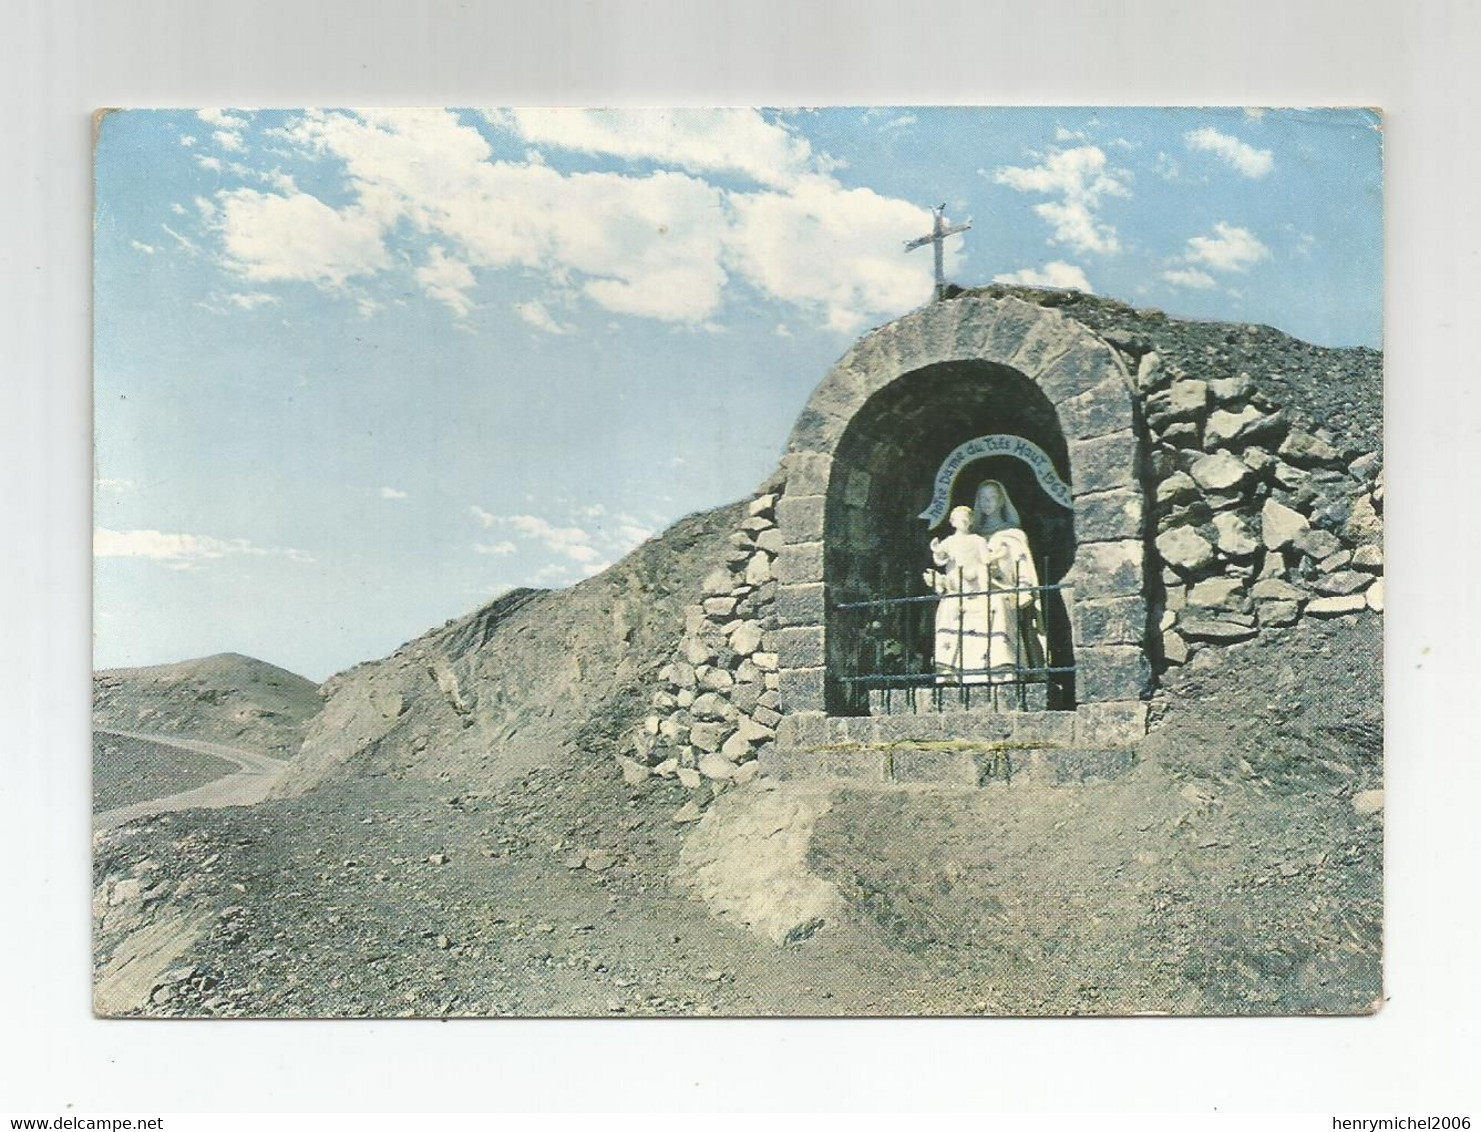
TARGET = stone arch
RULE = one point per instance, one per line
(1055, 362)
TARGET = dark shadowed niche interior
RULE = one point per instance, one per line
(875, 544)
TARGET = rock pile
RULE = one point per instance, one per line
(1259, 521)
(716, 704)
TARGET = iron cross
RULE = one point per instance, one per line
(939, 232)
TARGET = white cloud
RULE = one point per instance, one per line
(1189, 277)
(184, 241)
(228, 141)
(211, 163)
(275, 238)
(181, 549)
(1054, 274)
(1228, 249)
(1241, 156)
(485, 519)
(393, 493)
(447, 280)
(221, 119)
(836, 249)
(536, 315)
(1167, 167)
(737, 141)
(900, 123)
(250, 300)
(1063, 135)
(782, 330)
(115, 485)
(1081, 179)
(187, 140)
(658, 244)
(572, 542)
(1255, 113)
(147, 249)
(497, 549)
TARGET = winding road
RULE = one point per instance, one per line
(257, 774)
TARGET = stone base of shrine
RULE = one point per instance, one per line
(961, 750)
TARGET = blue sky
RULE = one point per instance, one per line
(358, 372)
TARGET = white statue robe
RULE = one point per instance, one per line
(961, 622)
(994, 630)
(1016, 637)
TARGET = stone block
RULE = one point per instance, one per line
(1097, 412)
(803, 730)
(1342, 582)
(1176, 488)
(915, 766)
(1187, 398)
(1225, 429)
(1317, 543)
(791, 764)
(1220, 472)
(1368, 558)
(924, 728)
(1278, 589)
(1174, 648)
(1337, 606)
(800, 647)
(1235, 538)
(1226, 390)
(1109, 515)
(981, 725)
(1185, 550)
(1215, 630)
(800, 517)
(1113, 621)
(1374, 596)
(770, 540)
(745, 637)
(1112, 724)
(1278, 613)
(807, 472)
(1107, 569)
(1280, 525)
(1364, 524)
(876, 357)
(1223, 594)
(817, 429)
(707, 737)
(1105, 462)
(800, 604)
(1111, 672)
(801, 689)
(799, 564)
(998, 329)
(1078, 370)
(758, 569)
(1083, 764)
(1305, 450)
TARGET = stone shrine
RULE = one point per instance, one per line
(1162, 513)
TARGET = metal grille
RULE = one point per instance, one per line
(891, 648)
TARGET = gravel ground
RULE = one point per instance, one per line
(1235, 870)
(127, 770)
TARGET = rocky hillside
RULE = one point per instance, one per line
(227, 698)
(513, 814)
(529, 679)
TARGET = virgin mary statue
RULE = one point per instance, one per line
(989, 625)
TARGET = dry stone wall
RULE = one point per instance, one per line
(716, 706)
(1259, 522)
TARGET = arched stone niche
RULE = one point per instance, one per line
(863, 453)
